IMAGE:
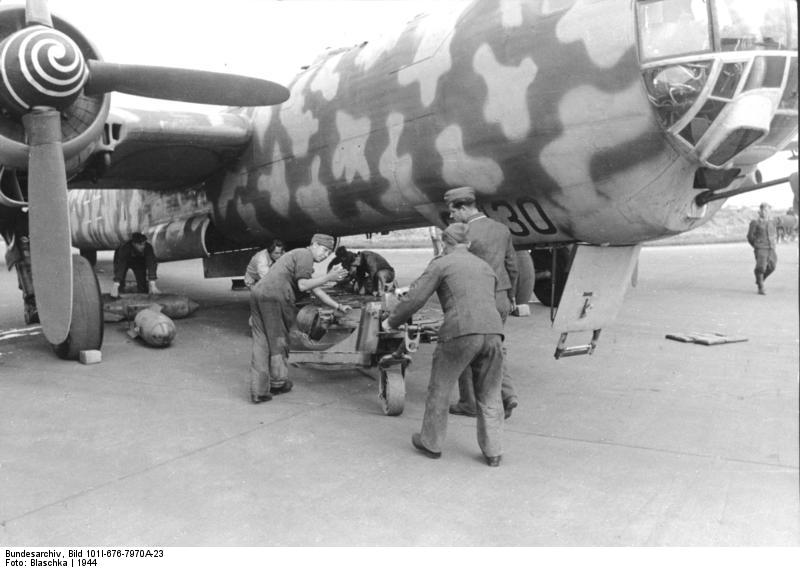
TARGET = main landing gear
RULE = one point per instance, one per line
(86, 328)
(553, 266)
(543, 273)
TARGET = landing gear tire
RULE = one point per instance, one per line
(392, 392)
(548, 289)
(86, 328)
(525, 278)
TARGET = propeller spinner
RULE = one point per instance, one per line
(42, 73)
(41, 67)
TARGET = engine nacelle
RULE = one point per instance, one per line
(181, 239)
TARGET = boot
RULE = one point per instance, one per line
(25, 281)
(760, 283)
(259, 388)
(279, 375)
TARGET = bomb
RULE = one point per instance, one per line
(153, 327)
(173, 305)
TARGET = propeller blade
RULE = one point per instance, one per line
(187, 85)
(51, 254)
(37, 12)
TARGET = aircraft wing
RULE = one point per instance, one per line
(162, 150)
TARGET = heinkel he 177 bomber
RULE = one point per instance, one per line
(585, 126)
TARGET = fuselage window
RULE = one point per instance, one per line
(673, 27)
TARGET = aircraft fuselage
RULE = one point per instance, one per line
(541, 106)
(574, 120)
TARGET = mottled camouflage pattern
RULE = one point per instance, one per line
(538, 104)
(541, 100)
(175, 222)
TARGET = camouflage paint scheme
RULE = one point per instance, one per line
(517, 99)
(539, 105)
(175, 222)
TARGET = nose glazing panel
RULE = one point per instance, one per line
(766, 72)
(674, 89)
(723, 79)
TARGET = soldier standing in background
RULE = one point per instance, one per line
(762, 236)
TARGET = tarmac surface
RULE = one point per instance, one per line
(648, 442)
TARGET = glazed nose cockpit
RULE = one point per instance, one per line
(722, 75)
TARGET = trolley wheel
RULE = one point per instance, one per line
(392, 391)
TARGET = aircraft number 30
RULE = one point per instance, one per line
(523, 218)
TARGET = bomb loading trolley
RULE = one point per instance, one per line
(324, 337)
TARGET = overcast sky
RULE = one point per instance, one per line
(269, 39)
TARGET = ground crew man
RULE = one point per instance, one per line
(261, 262)
(137, 255)
(762, 236)
(342, 257)
(273, 313)
(14, 230)
(374, 274)
(346, 259)
(471, 336)
(491, 241)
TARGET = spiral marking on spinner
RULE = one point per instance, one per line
(50, 61)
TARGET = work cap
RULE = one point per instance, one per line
(138, 237)
(324, 240)
(455, 233)
(462, 193)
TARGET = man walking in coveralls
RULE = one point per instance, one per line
(491, 241)
(471, 336)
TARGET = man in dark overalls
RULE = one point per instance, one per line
(273, 313)
(374, 274)
(137, 255)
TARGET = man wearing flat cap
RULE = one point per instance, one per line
(137, 255)
(273, 313)
(491, 241)
(470, 337)
(762, 236)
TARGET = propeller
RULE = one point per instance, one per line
(48, 223)
(42, 72)
(37, 12)
(188, 85)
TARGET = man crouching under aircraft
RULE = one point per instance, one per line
(273, 313)
(137, 255)
(471, 336)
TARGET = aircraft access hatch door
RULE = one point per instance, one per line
(594, 291)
